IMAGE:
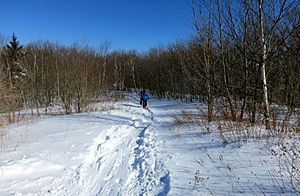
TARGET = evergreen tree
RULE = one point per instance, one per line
(14, 69)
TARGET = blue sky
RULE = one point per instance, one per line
(127, 24)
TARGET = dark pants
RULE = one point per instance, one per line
(144, 102)
(141, 101)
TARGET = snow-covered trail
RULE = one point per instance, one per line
(123, 164)
(111, 153)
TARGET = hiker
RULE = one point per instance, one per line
(141, 94)
(145, 99)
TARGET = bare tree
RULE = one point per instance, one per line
(205, 59)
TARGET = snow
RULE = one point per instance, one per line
(132, 151)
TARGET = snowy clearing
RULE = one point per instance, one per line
(132, 151)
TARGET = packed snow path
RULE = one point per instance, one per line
(121, 163)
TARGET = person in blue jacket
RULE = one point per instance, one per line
(141, 94)
(145, 99)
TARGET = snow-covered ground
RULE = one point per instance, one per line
(131, 151)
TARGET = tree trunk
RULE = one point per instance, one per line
(263, 66)
(225, 74)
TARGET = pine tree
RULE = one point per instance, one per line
(14, 69)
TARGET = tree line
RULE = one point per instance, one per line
(244, 53)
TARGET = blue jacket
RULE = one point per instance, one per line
(142, 93)
(145, 96)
